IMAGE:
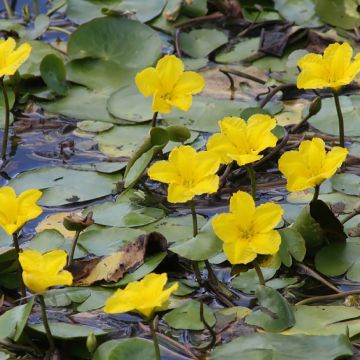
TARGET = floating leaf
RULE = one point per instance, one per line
(201, 42)
(292, 246)
(201, 247)
(53, 73)
(187, 316)
(339, 258)
(13, 321)
(276, 346)
(275, 315)
(62, 186)
(346, 183)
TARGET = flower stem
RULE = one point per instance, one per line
(73, 247)
(252, 176)
(322, 298)
(8, 9)
(46, 323)
(36, 7)
(341, 119)
(259, 273)
(7, 119)
(316, 192)
(195, 264)
(154, 118)
(19, 271)
(155, 339)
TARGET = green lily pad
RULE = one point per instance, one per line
(325, 320)
(124, 214)
(326, 119)
(292, 246)
(276, 346)
(340, 258)
(52, 239)
(129, 104)
(241, 51)
(81, 11)
(201, 42)
(134, 349)
(61, 330)
(278, 315)
(13, 321)
(105, 241)
(53, 73)
(346, 183)
(94, 126)
(187, 316)
(205, 113)
(126, 42)
(342, 13)
(201, 247)
(41, 24)
(62, 186)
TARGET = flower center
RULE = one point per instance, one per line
(247, 233)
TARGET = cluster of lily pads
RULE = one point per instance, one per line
(122, 244)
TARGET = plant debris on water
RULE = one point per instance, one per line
(180, 179)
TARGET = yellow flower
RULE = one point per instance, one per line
(43, 271)
(188, 173)
(11, 59)
(248, 230)
(169, 84)
(16, 211)
(144, 296)
(243, 141)
(311, 164)
(331, 70)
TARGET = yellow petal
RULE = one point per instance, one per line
(266, 217)
(334, 158)
(242, 206)
(177, 193)
(16, 59)
(183, 159)
(189, 83)
(27, 203)
(183, 102)
(54, 261)
(266, 243)
(313, 72)
(219, 144)
(239, 252)
(259, 132)
(338, 58)
(117, 303)
(159, 103)
(169, 69)
(208, 163)
(163, 171)
(245, 158)
(148, 81)
(207, 185)
(224, 226)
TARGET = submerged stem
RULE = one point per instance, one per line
(252, 176)
(259, 273)
(155, 339)
(46, 323)
(7, 119)
(8, 9)
(19, 271)
(341, 119)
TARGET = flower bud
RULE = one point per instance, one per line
(91, 343)
(315, 106)
(74, 222)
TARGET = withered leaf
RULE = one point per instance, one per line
(113, 267)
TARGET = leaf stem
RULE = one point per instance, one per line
(19, 271)
(322, 298)
(7, 119)
(73, 247)
(154, 119)
(8, 9)
(341, 119)
(259, 273)
(252, 176)
(155, 339)
(46, 323)
(208, 327)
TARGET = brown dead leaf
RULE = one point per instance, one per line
(113, 267)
